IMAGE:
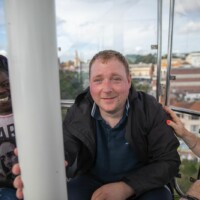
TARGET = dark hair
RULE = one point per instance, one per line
(107, 55)
(3, 64)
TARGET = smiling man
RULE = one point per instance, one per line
(7, 135)
(117, 144)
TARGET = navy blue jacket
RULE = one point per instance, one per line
(146, 131)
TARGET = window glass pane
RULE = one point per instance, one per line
(190, 162)
(185, 90)
(3, 40)
(85, 27)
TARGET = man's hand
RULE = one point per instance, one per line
(117, 191)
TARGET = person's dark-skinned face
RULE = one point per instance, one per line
(5, 95)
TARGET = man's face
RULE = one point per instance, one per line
(109, 85)
(5, 97)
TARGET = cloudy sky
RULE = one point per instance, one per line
(129, 26)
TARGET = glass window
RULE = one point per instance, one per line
(194, 128)
(195, 117)
(185, 90)
(85, 27)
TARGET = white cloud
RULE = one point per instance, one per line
(96, 25)
(188, 8)
(191, 27)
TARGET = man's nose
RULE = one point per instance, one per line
(107, 86)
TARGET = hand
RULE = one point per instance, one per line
(175, 123)
(194, 190)
(18, 184)
(117, 191)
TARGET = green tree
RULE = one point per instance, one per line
(188, 168)
(141, 86)
(70, 84)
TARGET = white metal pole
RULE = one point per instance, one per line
(169, 51)
(35, 92)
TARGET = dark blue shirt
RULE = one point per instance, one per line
(114, 155)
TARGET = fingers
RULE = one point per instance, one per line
(172, 114)
(19, 194)
(17, 183)
(97, 194)
(168, 110)
(16, 169)
(171, 123)
(16, 151)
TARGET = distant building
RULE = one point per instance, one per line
(142, 71)
(77, 60)
(192, 123)
(194, 59)
(187, 80)
(175, 62)
(192, 97)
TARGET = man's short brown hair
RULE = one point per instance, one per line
(106, 55)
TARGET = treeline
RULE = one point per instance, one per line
(150, 58)
(135, 59)
(188, 168)
(70, 84)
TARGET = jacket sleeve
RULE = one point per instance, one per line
(161, 161)
(79, 145)
(71, 145)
